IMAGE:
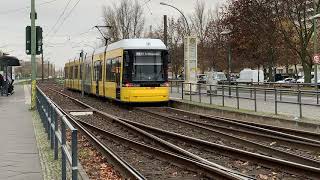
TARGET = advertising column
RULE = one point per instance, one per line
(190, 64)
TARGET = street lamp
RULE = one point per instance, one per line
(165, 4)
(227, 33)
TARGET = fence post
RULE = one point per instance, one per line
(280, 92)
(63, 154)
(210, 93)
(56, 142)
(255, 99)
(48, 121)
(190, 91)
(251, 89)
(275, 102)
(199, 86)
(300, 103)
(51, 126)
(317, 93)
(237, 94)
(222, 95)
(182, 90)
(74, 152)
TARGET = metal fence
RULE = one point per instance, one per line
(56, 125)
(192, 91)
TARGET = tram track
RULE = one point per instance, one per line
(237, 133)
(187, 167)
(310, 170)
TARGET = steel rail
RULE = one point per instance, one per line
(125, 169)
(167, 155)
(297, 132)
(311, 171)
(293, 167)
(232, 122)
(285, 155)
(255, 135)
(183, 152)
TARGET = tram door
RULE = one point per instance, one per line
(97, 75)
(117, 77)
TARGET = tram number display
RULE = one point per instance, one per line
(142, 53)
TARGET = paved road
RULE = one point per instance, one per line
(19, 157)
(292, 110)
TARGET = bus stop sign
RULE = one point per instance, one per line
(316, 59)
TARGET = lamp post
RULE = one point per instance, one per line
(227, 33)
(165, 4)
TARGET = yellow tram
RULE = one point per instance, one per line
(130, 70)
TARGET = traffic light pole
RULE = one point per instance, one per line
(42, 62)
(33, 54)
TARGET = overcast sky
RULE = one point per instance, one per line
(66, 40)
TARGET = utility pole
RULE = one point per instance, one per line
(33, 54)
(48, 69)
(83, 73)
(165, 29)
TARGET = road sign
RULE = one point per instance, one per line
(316, 59)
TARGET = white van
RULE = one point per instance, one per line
(249, 75)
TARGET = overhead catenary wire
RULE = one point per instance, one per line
(25, 8)
(65, 18)
(59, 18)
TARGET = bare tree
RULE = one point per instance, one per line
(126, 18)
(297, 29)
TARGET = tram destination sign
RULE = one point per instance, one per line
(148, 53)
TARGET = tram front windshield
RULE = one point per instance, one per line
(148, 66)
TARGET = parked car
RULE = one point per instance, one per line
(218, 76)
(301, 80)
(287, 80)
(202, 78)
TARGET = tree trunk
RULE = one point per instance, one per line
(307, 72)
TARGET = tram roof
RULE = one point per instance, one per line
(154, 44)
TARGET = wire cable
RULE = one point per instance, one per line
(59, 18)
(24, 8)
(65, 18)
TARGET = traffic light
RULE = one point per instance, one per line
(28, 40)
(38, 40)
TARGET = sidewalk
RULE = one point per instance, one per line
(19, 158)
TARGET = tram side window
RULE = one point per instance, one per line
(71, 72)
(97, 71)
(76, 71)
(117, 70)
(88, 72)
(66, 73)
(80, 72)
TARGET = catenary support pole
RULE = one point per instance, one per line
(33, 54)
